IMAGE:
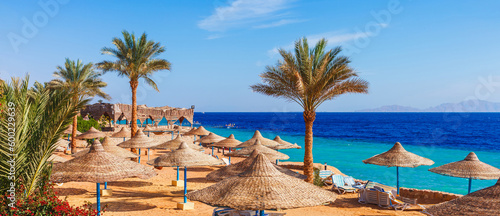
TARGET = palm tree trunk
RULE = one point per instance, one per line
(309, 117)
(133, 123)
(73, 134)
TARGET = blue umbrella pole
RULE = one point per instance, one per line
(212, 151)
(229, 156)
(262, 213)
(105, 185)
(177, 173)
(98, 186)
(123, 139)
(185, 184)
(68, 137)
(139, 156)
(397, 174)
(277, 160)
(470, 185)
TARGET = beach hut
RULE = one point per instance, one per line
(229, 142)
(184, 157)
(262, 187)
(124, 132)
(237, 168)
(99, 167)
(470, 168)
(211, 138)
(271, 154)
(257, 136)
(92, 133)
(397, 157)
(109, 146)
(481, 202)
(140, 140)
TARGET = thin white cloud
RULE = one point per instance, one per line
(278, 23)
(243, 12)
(214, 36)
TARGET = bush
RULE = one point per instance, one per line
(43, 202)
(85, 125)
(317, 180)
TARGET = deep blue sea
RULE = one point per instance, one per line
(343, 140)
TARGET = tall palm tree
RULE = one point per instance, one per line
(82, 82)
(310, 77)
(135, 59)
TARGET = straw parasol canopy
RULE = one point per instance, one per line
(201, 131)
(184, 157)
(258, 136)
(229, 142)
(148, 129)
(99, 166)
(211, 138)
(110, 147)
(237, 168)
(189, 133)
(124, 132)
(57, 159)
(271, 154)
(470, 167)
(92, 133)
(62, 143)
(262, 187)
(175, 144)
(69, 130)
(140, 140)
(284, 144)
(481, 202)
(397, 156)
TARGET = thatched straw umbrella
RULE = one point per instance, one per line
(237, 168)
(481, 202)
(397, 157)
(124, 132)
(257, 136)
(69, 131)
(140, 140)
(211, 138)
(201, 131)
(262, 187)
(470, 167)
(92, 133)
(57, 159)
(62, 144)
(271, 154)
(284, 144)
(109, 147)
(175, 143)
(184, 156)
(229, 142)
(99, 166)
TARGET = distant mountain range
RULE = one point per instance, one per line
(465, 106)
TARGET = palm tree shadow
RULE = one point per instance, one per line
(125, 206)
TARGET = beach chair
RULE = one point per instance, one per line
(340, 186)
(349, 181)
(324, 174)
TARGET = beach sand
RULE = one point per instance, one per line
(156, 196)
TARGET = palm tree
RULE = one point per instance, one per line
(82, 82)
(309, 78)
(135, 59)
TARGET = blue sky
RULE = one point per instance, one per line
(413, 53)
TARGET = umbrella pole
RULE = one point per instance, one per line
(177, 173)
(139, 161)
(123, 139)
(98, 190)
(212, 151)
(105, 185)
(229, 156)
(148, 154)
(185, 184)
(262, 213)
(397, 174)
(68, 137)
(470, 185)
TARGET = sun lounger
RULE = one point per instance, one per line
(324, 174)
(226, 161)
(340, 186)
(349, 181)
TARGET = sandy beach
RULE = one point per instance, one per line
(156, 196)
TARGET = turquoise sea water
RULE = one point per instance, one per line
(347, 156)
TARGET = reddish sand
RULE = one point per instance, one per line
(156, 196)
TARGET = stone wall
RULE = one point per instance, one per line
(427, 196)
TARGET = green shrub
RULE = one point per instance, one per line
(317, 180)
(85, 125)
